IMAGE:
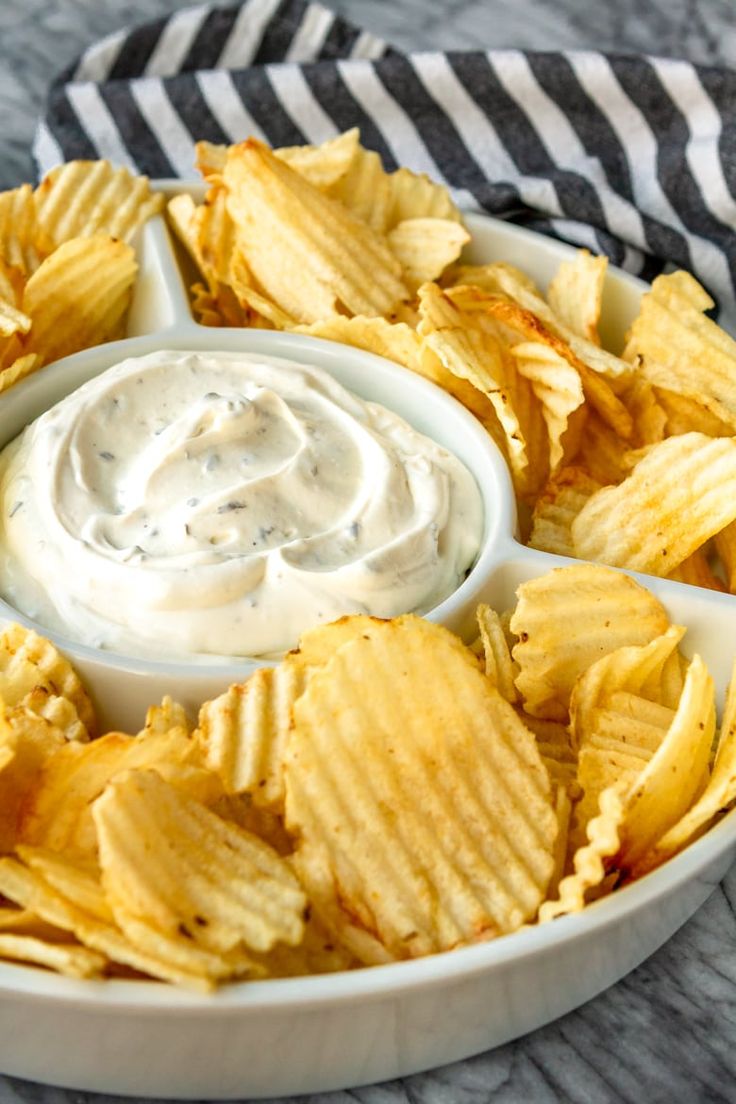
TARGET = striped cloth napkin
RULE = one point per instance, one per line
(631, 156)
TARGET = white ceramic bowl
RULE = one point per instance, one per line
(308, 1034)
(121, 686)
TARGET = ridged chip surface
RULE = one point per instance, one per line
(423, 790)
(243, 732)
(29, 662)
(83, 198)
(568, 619)
(307, 252)
(677, 497)
(169, 862)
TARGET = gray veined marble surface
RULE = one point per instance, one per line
(667, 1033)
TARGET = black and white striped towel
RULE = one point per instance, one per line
(631, 156)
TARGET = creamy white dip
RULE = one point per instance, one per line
(185, 503)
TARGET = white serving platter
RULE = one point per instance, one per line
(275, 1038)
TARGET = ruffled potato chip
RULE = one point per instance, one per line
(415, 869)
(170, 863)
(575, 294)
(679, 495)
(677, 347)
(557, 507)
(307, 252)
(243, 732)
(568, 619)
(89, 198)
(79, 296)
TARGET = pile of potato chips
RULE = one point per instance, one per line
(628, 460)
(66, 272)
(383, 793)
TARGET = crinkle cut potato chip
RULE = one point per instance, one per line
(576, 291)
(29, 663)
(569, 618)
(472, 351)
(88, 198)
(169, 862)
(676, 347)
(307, 252)
(79, 296)
(430, 852)
(310, 826)
(244, 732)
(685, 487)
(557, 507)
(58, 813)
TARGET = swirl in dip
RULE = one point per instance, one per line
(192, 503)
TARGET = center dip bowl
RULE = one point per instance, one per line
(261, 1039)
(124, 686)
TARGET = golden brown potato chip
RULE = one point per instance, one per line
(312, 866)
(413, 196)
(243, 732)
(417, 869)
(558, 387)
(676, 498)
(589, 861)
(576, 293)
(77, 878)
(26, 744)
(12, 320)
(12, 282)
(258, 307)
(175, 959)
(183, 219)
(488, 277)
(395, 341)
(324, 165)
(472, 352)
(23, 243)
(499, 666)
(58, 816)
(557, 507)
(685, 414)
(618, 718)
(426, 246)
(216, 237)
(678, 348)
(76, 962)
(307, 252)
(318, 645)
(676, 773)
(29, 661)
(628, 680)
(59, 711)
(697, 571)
(162, 718)
(719, 793)
(365, 190)
(318, 953)
(210, 158)
(568, 619)
(170, 863)
(79, 296)
(648, 414)
(82, 199)
(603, 454)
(725, 545)
(530, 326)
(516, 286)
(18, 369)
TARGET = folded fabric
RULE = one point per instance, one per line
(631, 156)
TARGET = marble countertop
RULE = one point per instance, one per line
(667, 1032)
